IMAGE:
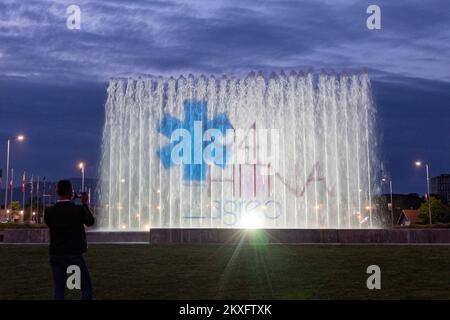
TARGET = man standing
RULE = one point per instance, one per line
(66, 221)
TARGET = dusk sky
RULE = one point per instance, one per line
(53, 80)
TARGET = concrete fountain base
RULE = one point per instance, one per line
(233, 236)
(294, 236)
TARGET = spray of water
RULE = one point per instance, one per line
(326, 176)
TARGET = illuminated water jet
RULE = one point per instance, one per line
(326, 148)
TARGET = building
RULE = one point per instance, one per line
(440, 185)
(408, 217)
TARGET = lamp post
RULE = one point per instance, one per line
(19, 138)
(392, 200)
(81, 165)
(419, 164)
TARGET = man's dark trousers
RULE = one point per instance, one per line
(59, 264)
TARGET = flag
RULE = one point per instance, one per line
(1, 176)
(23, 183)
(10, 185)
(31, 183)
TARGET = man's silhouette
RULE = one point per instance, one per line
(66, 221)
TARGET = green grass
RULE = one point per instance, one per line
(237, 272)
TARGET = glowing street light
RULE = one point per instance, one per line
(419, 164)
(81, 166)
(19, 138)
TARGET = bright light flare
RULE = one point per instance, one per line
(20, 137)
(251, 220)
(418, 163)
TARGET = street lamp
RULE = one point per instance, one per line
(81, 165)
(419, 164)
(392, 200)
(19, 138)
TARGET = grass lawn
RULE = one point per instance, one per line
(236, 272)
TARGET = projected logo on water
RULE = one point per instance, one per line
(284, 152)
(188, 143)
(197, 143)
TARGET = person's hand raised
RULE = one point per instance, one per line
(84, 198)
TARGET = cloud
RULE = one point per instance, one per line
(173, 37)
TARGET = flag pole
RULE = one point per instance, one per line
(11, 186)
(23, 192)
(37, 199)
(31, 196)
(7, 177)
(43, 198)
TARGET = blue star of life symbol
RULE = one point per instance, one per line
(195, 114)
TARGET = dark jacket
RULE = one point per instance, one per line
(66, 221)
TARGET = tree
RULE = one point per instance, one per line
(401, 201)
(15, 206)
(439, 211)
(15, 210)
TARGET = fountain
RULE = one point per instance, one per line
(184, 153)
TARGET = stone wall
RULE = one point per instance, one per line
(42, 236)
(233, 236)
(25, 236)
(117, 237)
(329, 236)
